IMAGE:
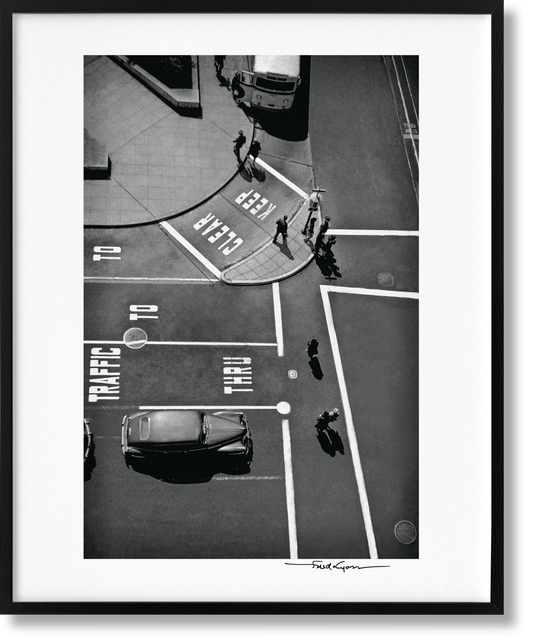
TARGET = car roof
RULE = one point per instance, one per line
(169, 426)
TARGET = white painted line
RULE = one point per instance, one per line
(151, 279)
(375, 233)
(106, 341)
(277, 317)
(352, 438)
(245, 477)
(371, 292)
(405, 108)
(282, 178)
(201, 408)
(174, 233)
(289, 489)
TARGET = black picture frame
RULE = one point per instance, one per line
(494, 8)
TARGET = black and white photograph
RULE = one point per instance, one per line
(275, 309)
(251, 307)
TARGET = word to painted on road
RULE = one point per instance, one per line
(106, 252)
(135, 309)
(232, 236)
(255, 199)
(105, 374)
(237, 370)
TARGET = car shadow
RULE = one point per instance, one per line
(174, 470)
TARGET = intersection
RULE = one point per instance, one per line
(187, 257)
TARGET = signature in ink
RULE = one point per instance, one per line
(320, 564)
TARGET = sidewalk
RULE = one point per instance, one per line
(164, 164)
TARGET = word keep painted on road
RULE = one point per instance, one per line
(246, 201)
(106, 252)
(215, 223)
(237, 370)
(104, 374)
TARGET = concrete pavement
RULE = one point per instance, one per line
(165, 164)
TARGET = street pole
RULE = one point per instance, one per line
(313, 206)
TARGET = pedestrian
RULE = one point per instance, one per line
(333, 415)
(255, 148)
(322, 231)
(281, 228)
(219, 66)
(310, 230)
(312, 347)
(238, 143)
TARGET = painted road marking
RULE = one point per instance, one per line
(188, 246)
(96, 341)
(279, 176)
(277, 317)
(196, 407)
(352, 438)
(245, 477)
(375, 233)
(350, 428)
(163, 280)
(404, 106)
(289, 489)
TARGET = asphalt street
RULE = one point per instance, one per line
(360, 300)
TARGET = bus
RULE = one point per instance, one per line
(271, 85)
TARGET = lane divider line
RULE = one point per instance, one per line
(151, 279)
(375, 233)
(154, 343)
(242, 478)
(350, 428)
(201, 408)
(277, 318)
(280, 176)
(188, 246)
(289, 489)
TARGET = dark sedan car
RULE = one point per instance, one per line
(158, 434)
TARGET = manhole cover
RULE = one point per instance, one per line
(293, 374)
(284, 408)
(385, 279)
(135, 338)
(405, 532)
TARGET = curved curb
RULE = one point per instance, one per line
(272, 279)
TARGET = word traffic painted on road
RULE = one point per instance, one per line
(237, 370)
(108, 374)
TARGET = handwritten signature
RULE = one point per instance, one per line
(320, 564)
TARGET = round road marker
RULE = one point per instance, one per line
(405, 532)
(293, 374)
(385, 279)
(135, 338)
(284, 408)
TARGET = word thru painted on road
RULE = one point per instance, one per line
(237, 370)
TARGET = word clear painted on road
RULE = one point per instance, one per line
(247, 199)
(135, 309)
(215, 223)
(237, 370)
(106, 252)
(104, 374)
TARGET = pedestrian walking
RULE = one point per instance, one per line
(255, 148)
(281, 228)
(219, 66)
(333, 415)
(310, 230)
(322, 231)
(238, 143)
(312, 347)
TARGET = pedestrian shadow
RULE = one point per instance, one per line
(245, 172)
(316, 369)
(325, 260)
(330, 441)
(258, 174)
(285, 250)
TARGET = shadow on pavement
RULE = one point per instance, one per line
(316, 369)
(330, 441)
(325, 259)
(179, 470)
